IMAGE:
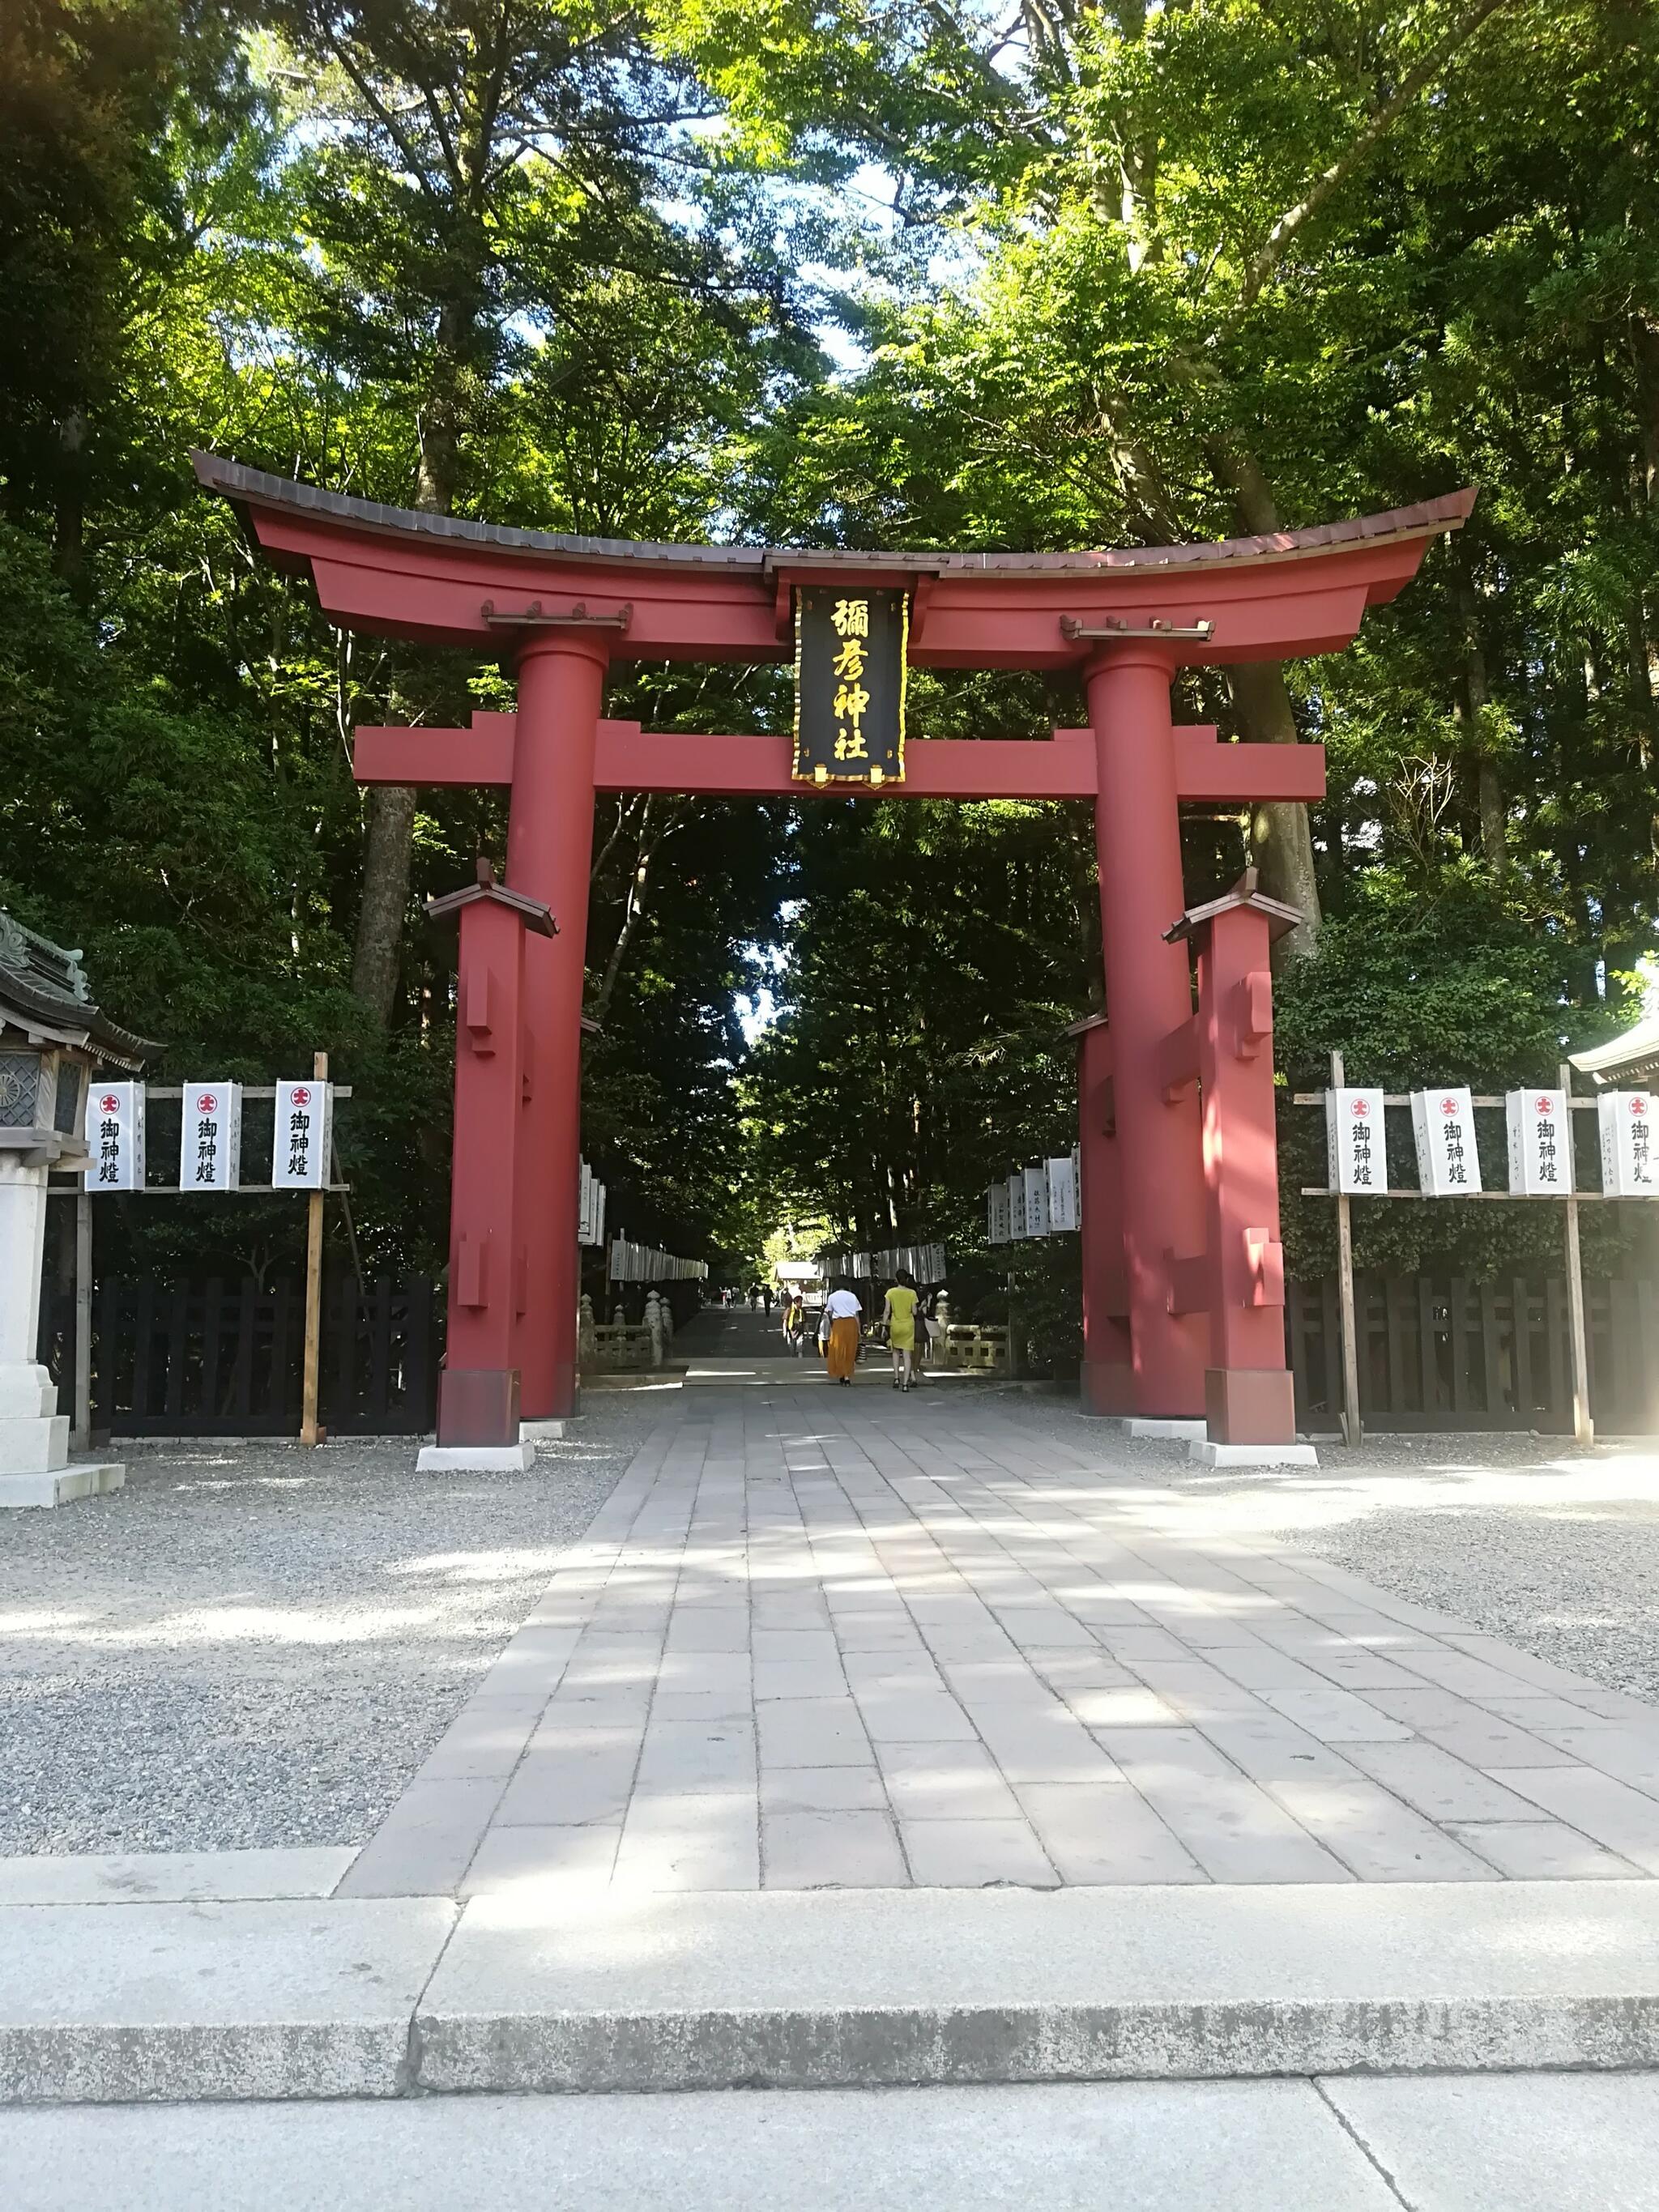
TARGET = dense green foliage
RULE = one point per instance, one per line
(858, 272)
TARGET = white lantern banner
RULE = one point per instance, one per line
(1541, 1151)
(302, 1137)
(211, 1137)
(996, 1214)
(115, 1136)
(1442, 1122)
(1062, 1193)
(1036, 1201)
(1017, 1203)
(1627, 1144)
(1356, 1140)
(590, 1228)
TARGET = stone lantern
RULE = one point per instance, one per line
(52, 1038)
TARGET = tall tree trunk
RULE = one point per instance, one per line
(388, 850)
(1469, 710)
(69, 530)
(377, 952)
(1280, 834)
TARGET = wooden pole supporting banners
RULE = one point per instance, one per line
(309, 1431)
(1583, 1426)
(1352, 1430)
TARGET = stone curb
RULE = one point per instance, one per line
(655, 1990)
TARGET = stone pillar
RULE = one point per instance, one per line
(34, 1461)
(548, 853)
(1148, 995)
(1108, 1376)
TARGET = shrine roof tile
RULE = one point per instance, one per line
(249, 487)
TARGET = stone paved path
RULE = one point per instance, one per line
(847, 1637)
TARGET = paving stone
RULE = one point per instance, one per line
(1047, 1627)
(1038, 1744)
(1335, 1715)
(702, 1705)
(812, 1732)
(798, 1678)
(877, 1631)
(692, 1671)
(822, 1790)
(1610, 1812)
(1374, 1835)
(688, 1842)
(1541, 1850)
(1441, 1787)
(1485, 1741)
(567, 1788)
(574, 1858)
(944, 1782)
(486, 1737)
(970, 1854)
(831, 1849)
(708, 1628)
(1629, 1755)
(425, 1843)
(770, 1645)
(615, 1709)
(704, 1757)
(904, 1716)
(1103, 1833)
(1232, 1827)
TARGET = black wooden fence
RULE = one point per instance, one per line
(1438, 1352)
(223, 1357)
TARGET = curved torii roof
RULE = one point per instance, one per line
(402, 572)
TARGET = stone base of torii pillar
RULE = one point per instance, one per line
(36, 1468)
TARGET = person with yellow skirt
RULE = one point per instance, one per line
(839, 1333)
(900, 1315)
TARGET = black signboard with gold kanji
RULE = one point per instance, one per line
(850, 683)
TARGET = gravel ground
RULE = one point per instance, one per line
(255, 1645)
(1525, 1537)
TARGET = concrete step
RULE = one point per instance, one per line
(1514, 2142)
(533, 1991)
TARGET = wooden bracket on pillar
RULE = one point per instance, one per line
(1264, 1257)
(1253, 1012)
(1177, 1062)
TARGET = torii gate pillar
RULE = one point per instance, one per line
(549, 844)
(1148, 994)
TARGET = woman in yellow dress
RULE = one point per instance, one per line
(900, 1315)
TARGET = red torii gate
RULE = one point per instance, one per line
(1162, 1192)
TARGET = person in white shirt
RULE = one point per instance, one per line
(839, 1333)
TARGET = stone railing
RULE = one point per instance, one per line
(968, 1347)
(618, 1346)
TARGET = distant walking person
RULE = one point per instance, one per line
(794, 1321)
(899, 1312)
(839, 1333)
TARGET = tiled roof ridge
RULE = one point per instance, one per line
(235, 481)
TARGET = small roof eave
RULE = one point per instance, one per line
(1636, 1052)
